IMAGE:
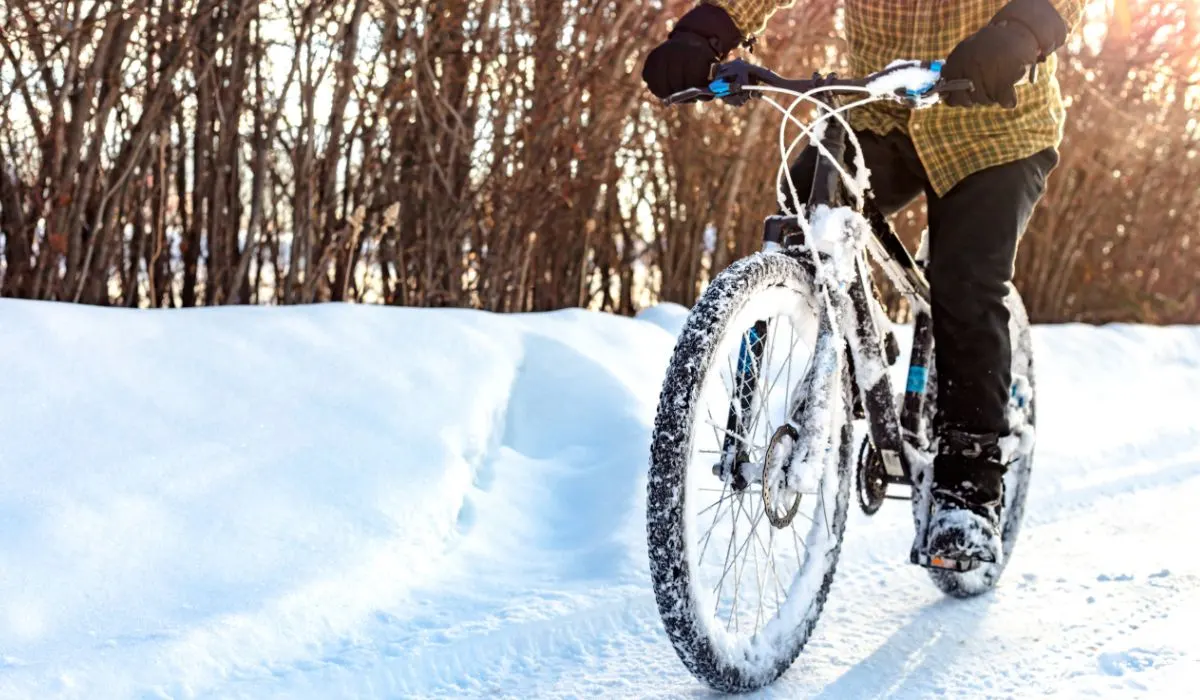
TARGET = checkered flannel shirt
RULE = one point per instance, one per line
(953, 142)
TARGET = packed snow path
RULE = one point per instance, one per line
(361, 502)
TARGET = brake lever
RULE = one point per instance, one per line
(720, 88)
(688, 95)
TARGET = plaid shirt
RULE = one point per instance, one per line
(953, 142)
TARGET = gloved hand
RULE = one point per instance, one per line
(995, 58)
(702, 38)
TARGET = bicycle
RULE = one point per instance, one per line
(785, 444)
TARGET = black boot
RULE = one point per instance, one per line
(968, 497)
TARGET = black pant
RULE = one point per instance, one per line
(973, 233)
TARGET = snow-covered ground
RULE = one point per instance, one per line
(360, 502)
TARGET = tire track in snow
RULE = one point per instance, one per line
(997, 647)
(923, 629)
(483, 664)
(909, 647)
(886, 631)
(480, 664)
(1112, 473)
(906, 651)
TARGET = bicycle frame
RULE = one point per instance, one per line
(830, 237)
(890, 427)
(871, 348)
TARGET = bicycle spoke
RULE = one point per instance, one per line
(797, 544)
(771, 567)
(763, 367)
(825, 513)
(763, 407)
(749, 601)
(735, 436)
(774, 569)
(728, 550)
(754, 418)
(794, 339)
(749, 349)
(738, 554)
(787, 404)
(716, 517)
(716, 436)
(754, 521)
(729, 565)
(771, 388)
(787, 391)
(732, 389)
(733, 605)
(757, 578)
(807, 517)
(733, 610)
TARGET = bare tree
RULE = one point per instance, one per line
(501, 155)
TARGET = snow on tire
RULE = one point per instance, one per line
(719, 654)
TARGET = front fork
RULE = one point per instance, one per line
(733, 450)
(872, 350)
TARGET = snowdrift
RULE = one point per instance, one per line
(347, 501)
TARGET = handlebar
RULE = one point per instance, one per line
(731, 80)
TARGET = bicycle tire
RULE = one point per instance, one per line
(1017, 478)
(708, 653)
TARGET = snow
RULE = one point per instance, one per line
(366, 502)
(908, 75)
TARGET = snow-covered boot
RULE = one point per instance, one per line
(967, 498)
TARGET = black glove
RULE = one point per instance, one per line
(701, 39)
(996, 57)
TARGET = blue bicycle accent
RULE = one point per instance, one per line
(1020, 397)
(936, 67)
(917, 377)
(720, 88)
(744, 357)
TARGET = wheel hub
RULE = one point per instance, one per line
(737, 470)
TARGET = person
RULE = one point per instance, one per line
(981, 157)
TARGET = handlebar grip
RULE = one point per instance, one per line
(685, 96)
(955, 85)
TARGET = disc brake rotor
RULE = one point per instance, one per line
(774, 492)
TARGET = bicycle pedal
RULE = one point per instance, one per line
(944, 563)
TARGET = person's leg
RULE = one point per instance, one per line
(974, 232)
(897, 176)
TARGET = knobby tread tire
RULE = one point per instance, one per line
(670, 453)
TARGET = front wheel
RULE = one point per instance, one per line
(1017, 450)
(754, 420)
